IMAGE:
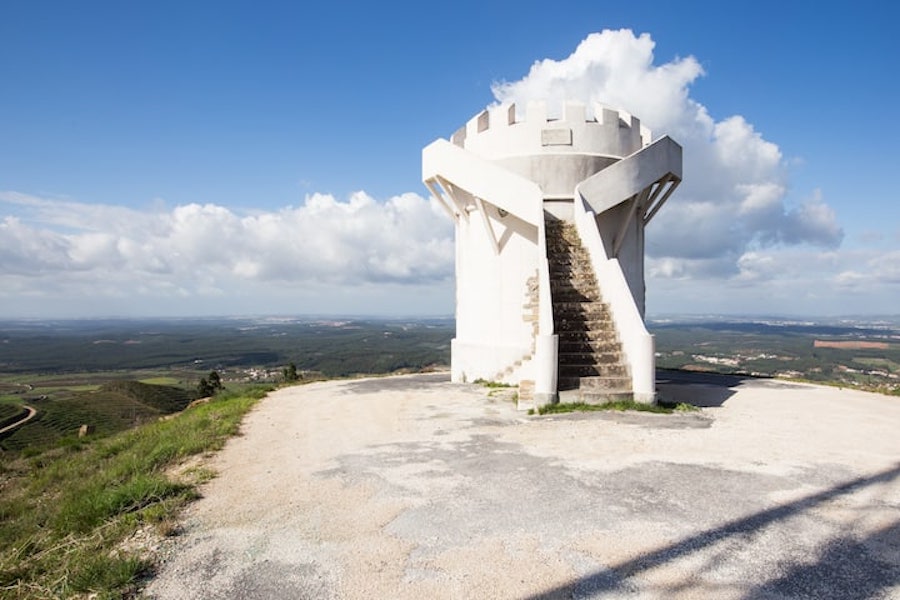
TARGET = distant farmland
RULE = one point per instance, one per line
(851, 345)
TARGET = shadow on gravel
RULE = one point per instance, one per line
(390, 383)
(699, 389)
(846, 568)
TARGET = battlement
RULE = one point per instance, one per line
(503, 132)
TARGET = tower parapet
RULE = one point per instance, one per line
(556, 154)
(504, 132)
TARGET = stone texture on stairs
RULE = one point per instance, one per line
(590, 354)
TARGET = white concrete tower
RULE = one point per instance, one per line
(550, 217)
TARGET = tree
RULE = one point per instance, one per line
(215, 381)
(209, 386)
(290, 373)
(204, 389)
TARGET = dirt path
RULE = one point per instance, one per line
(412, 487)
(31, 414)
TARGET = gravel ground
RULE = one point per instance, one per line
(413, 487)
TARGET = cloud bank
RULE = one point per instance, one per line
(60, 247)
(733, 198)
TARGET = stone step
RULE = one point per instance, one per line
(576, 294)
(575, 304)
(567, 383)
(587, 308)
(582, 286)
(561, 278)
(567, 276)
(580, 295)
(580, 307)
(566, 259)
(602, 383)
(526, 389)
(593, 385)
(605, 359)
(563, 268)
(580, 283)
(575, 280)
(564, 246)
(589, 347)
(568, 389)
(588, 325)
(575, 336)
(570, 321)
(591, 369)
(566, 268)
(617, 374)
(577, 323)
(597, 397)
(573, 295)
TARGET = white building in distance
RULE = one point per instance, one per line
(550, 217)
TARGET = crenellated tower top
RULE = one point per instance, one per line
(503, 132)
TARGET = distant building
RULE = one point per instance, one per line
(550, 218)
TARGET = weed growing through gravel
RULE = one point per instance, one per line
(617, 405)
(64, 513)
(492, 384)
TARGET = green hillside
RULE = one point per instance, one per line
(164, 398)
(114, 407)
(10, 413)
(65, 512)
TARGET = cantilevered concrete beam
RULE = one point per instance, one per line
(443, 161)
(657, 163)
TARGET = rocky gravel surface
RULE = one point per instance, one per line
(413, 487)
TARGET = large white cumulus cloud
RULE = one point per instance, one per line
(733, 198)
(195, 248)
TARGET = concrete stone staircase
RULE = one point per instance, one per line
(591, 368)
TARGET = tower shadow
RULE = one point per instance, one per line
(845, 568)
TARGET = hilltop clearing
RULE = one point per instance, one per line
(412, 487)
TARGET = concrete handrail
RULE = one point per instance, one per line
(637, 343)
(546, 326)
(546, 352)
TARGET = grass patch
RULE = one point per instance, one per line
(566, 407)
(664, 408)
(492, 384)
(682, 407)
(163, 380)
(65, 512)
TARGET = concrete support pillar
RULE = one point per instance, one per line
(546, 354)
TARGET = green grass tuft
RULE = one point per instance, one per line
(64, 512)
(492, 384)
(566, 407)
(103, 574)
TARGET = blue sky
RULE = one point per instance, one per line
(181, 158)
